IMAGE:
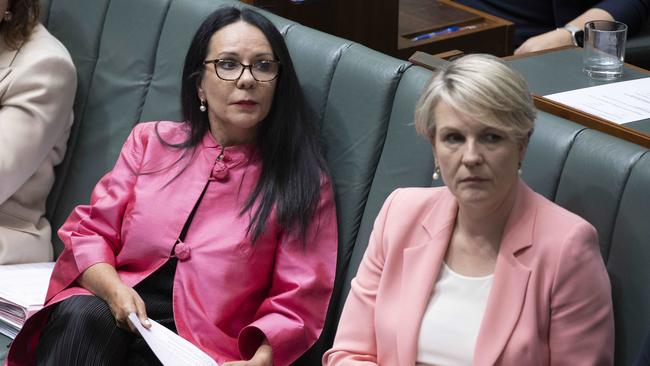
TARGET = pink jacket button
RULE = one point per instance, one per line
(182, 251)
(219, 171)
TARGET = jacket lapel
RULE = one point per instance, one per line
(4, 72)
(6, 60)
(420, 268)
(7, 55)
(508, 292)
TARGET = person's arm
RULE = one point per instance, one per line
(35, 111)
(92, 237)
(292, 315)
(102, 280)
(561, 37)
(355, 342)
(582, 321)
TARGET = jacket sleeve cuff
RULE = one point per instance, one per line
(287, 344)
(250, 339)
(87, 255)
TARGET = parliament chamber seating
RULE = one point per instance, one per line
(129, 57)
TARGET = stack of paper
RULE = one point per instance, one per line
(22, 293)
(620, 102)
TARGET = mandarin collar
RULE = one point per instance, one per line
(235, 152)
(225, 158)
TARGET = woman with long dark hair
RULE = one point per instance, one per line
(221, 228)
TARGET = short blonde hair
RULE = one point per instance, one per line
(484, 88)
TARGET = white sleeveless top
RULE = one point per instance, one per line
(452, 319)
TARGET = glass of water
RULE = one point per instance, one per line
(604, 49)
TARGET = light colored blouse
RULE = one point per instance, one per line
(452, 319)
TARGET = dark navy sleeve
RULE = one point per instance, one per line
(634, 13)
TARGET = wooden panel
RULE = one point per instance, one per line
(488, 34)
(369, 22)
(376, 24)
(418, 16)
(591, 121)
(315, 14)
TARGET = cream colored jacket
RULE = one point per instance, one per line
(37, 89)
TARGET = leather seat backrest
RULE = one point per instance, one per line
(629, 263)
(593, 179)
(547, 153)
(129, 57)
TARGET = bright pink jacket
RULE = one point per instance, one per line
(226, 290)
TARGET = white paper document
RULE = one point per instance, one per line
(622, 102)
(22, 292)
(170, 348)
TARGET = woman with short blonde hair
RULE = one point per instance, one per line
(483, 271)
(484, 88)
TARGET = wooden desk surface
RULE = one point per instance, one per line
(420, 16)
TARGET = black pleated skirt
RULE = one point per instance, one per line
(82, 331)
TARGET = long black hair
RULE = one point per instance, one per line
(287, 139)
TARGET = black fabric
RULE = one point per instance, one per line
(85, 324)
(644, 356)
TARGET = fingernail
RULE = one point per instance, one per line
(147, 322)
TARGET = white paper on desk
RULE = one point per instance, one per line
(170, 348)
(25, 284)
(621, 102)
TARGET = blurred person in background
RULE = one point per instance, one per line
(544, 24)
(37, 89)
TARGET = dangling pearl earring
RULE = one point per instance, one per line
(436, 173)
(519, 169)
(203, 108)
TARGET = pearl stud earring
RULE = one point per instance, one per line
(436, 174)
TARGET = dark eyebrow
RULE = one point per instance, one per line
(236, 55)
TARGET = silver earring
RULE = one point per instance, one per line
(7, 16)
(203, 108)
(436, 173)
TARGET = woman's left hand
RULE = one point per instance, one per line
(263, 357)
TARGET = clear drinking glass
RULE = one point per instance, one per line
(604, 49)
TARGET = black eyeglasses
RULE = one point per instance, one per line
(231, 70)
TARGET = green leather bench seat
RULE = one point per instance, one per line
(628, 261)
(129, 56)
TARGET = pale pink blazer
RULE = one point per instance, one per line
(550, 302)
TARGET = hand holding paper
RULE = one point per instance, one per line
(169, 347)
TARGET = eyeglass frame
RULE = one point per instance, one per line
(244, 67)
